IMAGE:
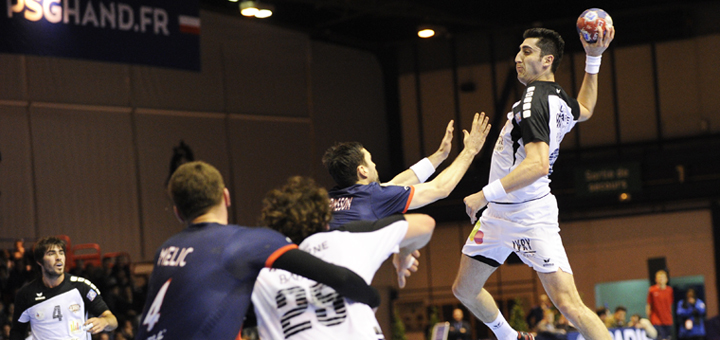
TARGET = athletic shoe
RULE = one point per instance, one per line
(525, 336)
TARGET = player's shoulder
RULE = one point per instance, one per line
(30, 288)
(81, 283)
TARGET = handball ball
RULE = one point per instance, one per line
(591, 21)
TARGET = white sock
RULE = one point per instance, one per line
(502, 328)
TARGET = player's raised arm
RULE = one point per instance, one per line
(344, 281)
(587, 96)
(442, 185)
(422, 170)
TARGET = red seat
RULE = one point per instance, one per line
(88, 253)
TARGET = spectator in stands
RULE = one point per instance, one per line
(3, 313)
(21, 272)
(6, 326)
(18, 251)
(537, 313)
(119, 336)
(10, 311)
(639, 322)
(691, 315)
(659, 305)
(617, 320)
(139, 294)
(459, 328)
(5, 265)
(564, 324)
(602, 312)
(546, 328)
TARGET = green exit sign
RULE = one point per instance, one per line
(608, 179)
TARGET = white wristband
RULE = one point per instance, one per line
(592, 64)
(423, 169)
(494, 191)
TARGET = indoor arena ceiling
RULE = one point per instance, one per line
(377, 22)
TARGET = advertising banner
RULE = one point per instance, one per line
(163, 33)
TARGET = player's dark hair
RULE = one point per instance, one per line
(620, 308)
(297, 210)
(342, 160)
(42, 246)
(194, 188)
(550, 43)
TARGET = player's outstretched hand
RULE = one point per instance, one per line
(405, 265)
(604, 39)
(443, 151)
(475, 139)
(473, 204)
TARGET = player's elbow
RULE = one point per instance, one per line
(541, 168)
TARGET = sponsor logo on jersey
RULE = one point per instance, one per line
(523, 247)
(75, 308)
(547, 263)
(91, 295)
(75, 326)
(476, 235)
(39, 315)
(500, 144)
(39, 296)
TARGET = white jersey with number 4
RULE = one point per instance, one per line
(289, 306)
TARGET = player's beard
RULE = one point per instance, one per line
(53, 273)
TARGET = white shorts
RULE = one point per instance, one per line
(529, 229)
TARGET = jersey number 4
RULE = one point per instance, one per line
(153, 314)
(325, 298)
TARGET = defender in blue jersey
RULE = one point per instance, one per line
(360, 196)
(522, 214)
(203, 277)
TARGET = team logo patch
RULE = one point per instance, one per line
(39, 315)
(91, 295)
(75, 308)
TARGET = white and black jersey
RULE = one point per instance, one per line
(292, 307)
(546, 113)
(56, 313)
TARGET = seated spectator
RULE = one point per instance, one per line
(127, 329)
(6, 327)
(602, 312)
(459, 328)
(547, 324)
(639, 322)
(617, 320)
(564, 324)
(536, 313)
(18, 251)
(691, 315)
